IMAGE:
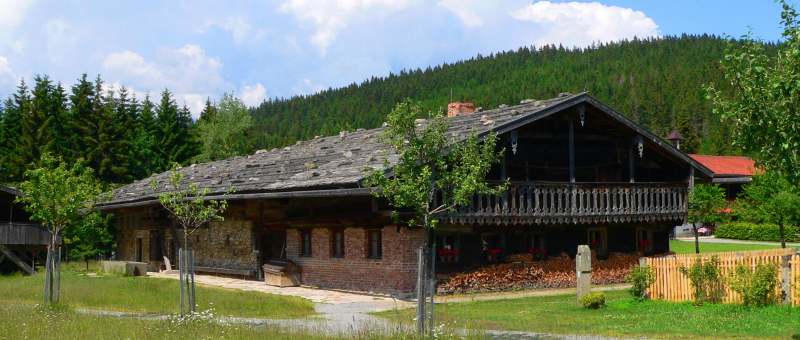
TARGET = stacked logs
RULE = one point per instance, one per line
(520, 271)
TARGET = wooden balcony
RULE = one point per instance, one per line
(13, 233)
(576, 203)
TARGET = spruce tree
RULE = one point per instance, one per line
(13, 159)
(174, 136)
(37, 135)
(80, 124)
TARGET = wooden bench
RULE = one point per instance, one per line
(226, 271)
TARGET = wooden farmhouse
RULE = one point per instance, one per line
(580, 173)
(21, 241)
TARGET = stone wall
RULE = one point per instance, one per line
(394, 272)
(225, 244)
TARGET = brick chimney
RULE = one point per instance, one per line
(460, 108)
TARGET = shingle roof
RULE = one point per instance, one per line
(324, 162)
(335, 162)
(727, 165)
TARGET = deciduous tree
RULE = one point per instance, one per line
(58, 195)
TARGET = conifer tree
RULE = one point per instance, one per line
(174, 137)
(12, 156)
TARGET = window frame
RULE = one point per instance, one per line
(306, 238)
(379, 250)
(336, 252)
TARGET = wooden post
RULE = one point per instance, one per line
(786, 279)
(571, 152)
(631, 165)
(421, 291)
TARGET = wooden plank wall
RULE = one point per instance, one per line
(23, 234)
(672, 285)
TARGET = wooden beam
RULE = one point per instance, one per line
(571, 151)
(13, 257)
(631, 165)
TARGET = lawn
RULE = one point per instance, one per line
(687, 247)
(622, 317)
(149, 295)
(29, 322)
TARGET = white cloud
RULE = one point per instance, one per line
(7, 76)
(331, 16)
(465, 10)
(186, 71)
(253, 95)
(239, 28)
(12, 13)
(580, 24)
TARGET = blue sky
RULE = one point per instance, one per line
(281, 48)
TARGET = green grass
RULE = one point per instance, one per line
(28, 322)
(622, 317)
(149, 295)
(686, 247)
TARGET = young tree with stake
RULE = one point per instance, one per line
(188, 206)
(431, 165)
(58, 196)
(706, 202)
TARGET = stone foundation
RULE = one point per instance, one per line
(395, 272)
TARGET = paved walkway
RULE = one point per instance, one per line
(713, 239)
(340, 311)
(348, 313)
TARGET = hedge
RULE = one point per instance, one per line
(756, 232)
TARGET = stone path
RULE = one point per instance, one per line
(348, 313)
(339, 311)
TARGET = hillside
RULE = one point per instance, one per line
(657, 82)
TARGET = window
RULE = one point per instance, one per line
(644, 240)
(139, 249)
(337, 243)
(598, 239)
(375, 244)
(305, 242)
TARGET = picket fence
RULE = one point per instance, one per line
(672, 285)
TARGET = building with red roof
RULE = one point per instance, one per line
(731, 172)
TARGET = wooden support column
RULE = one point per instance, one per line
(691, 178)
(571, 151)
(631, 165)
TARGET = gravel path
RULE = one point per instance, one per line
(712, 239)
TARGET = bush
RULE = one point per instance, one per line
(593, 300)
(707, 280)
(756, 232)
(640, 279)
(757, 287)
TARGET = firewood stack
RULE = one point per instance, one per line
(521, 272)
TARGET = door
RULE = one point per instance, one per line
(273, 245)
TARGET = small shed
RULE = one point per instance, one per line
(21, 240)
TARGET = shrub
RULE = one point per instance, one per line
(757, 287)
(756, 232)
(640, 278)
(707, 280)
(593, 300)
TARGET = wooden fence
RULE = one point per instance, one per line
(672, 285)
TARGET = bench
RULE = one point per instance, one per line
(226, 271)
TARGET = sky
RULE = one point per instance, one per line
(281, 48)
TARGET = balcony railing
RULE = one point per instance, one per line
(13, 233)
(576, 203)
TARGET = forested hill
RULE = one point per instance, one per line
(657, 82)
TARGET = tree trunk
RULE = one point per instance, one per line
(696, 239)
(783, 238)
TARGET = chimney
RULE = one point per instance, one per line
(676, 138)
(460, 108)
